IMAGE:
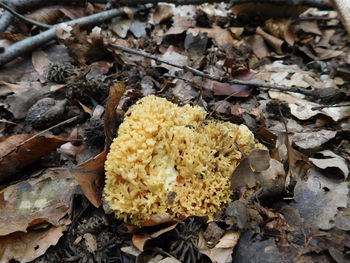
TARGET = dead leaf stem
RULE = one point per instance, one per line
(256, 84)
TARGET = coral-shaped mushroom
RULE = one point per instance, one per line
(168, 159)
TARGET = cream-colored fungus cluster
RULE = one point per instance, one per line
(165, 150)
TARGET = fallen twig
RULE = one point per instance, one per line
(330, 106)
(12, 11)
(311, 3)
(19, 5)
(39, 134)
(257, 84)
(31, 43)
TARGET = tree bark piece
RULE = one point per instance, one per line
(29, 44)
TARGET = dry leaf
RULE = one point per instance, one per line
(273, 179)
(312, 139)
(139, 240)
(17, 151)
(319, 198)
(309, 27)
(302, 109)
(273, 41)
(282, 28)
(40, 61)
(162, 12)
(45, 199)
(222, 252)
(90, 177)
(25, 247)
(20, 102)
(220, 36)
(258, 45)
(173, 56)
(259, 160)
(331, 160)
(110, 120)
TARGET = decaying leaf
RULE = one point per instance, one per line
(139, 240)
(255, 249)
(331, 160)
(22, 100)
(162, 12)
(246, 172)
(272, 179)
(313, 139)
(222, 252)
(110, 120)
(37, 201)
(219, 35)
(25, 247)
(90, 177)
(40, 61)
(17, 151)
(319, 198)
(303, 109)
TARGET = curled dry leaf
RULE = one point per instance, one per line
(273, 41)
(331, 160)
(273, 179)
(45, 199)
(258, 46)
(20, 102)
(110, 120)
(302, 109)
(220, 36)
(40, 61)
(25, 247)
(17, 151)
(313, 139)
(90, 177)
(139, 240)
(222, 252)
(253, 248)
(162, 12)
(282, 28)
(246, 172)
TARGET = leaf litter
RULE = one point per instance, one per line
(290, 202)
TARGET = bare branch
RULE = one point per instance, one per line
(30, 21)
(21, 47)
(257, 84)
(23, 5)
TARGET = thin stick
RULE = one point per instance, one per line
(29, 44)
(30, 21)
(330, 106)
(39, 134)
(257, 84)
(311, 3)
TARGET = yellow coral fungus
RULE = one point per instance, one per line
(165, 150)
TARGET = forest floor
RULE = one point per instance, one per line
(283, 71)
